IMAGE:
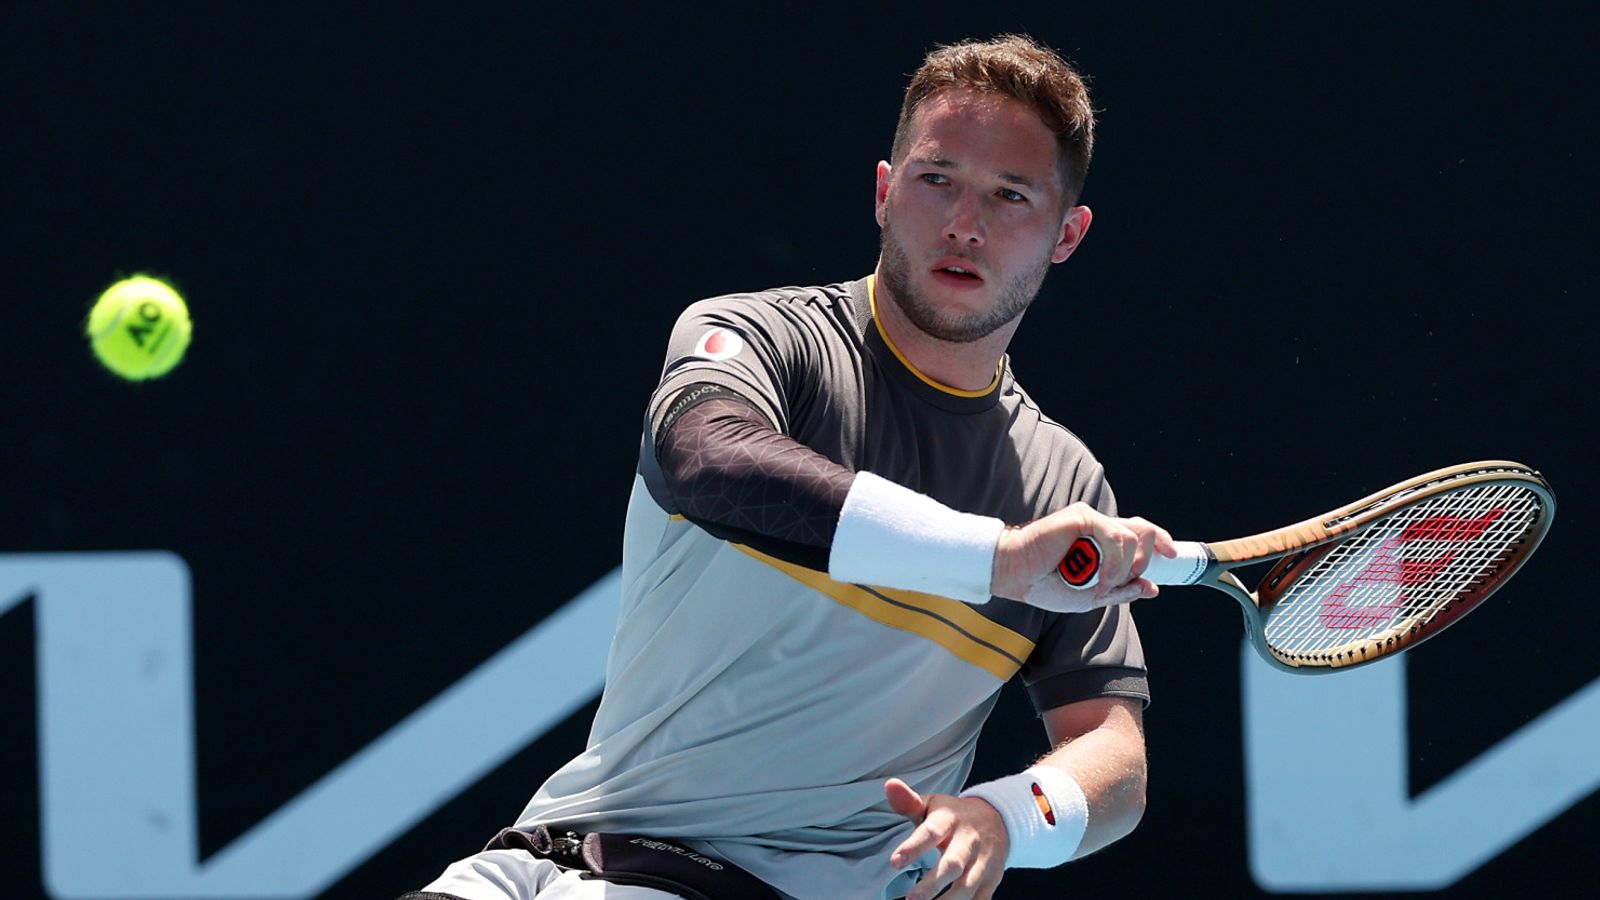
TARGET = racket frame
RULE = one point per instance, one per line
(1299, 546)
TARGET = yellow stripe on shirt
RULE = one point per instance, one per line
(953, 625)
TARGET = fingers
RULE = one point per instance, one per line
(904, 800)
(971, 848)
(1118, 546)
(1136, 589)
(962, 868)
(1026, 559)
(1152, 539)
(1164, 543)
(1053, 595)
(1156, 538)
(1126, 546)
(975, 879)
(1132, 542)
(931, 834)
(952, 865)
(978, 876)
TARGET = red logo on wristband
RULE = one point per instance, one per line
(1044, 803)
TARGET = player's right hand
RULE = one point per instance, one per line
(1026, 557)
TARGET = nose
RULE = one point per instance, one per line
(966, 223)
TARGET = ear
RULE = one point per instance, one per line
(882, 193)
(1073, 229)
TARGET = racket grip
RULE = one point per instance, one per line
(1185, 568)
(1080, 568)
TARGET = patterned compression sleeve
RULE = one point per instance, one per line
(733, 474)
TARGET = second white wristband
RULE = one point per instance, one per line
(1045, 812)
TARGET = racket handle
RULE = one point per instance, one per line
(1080, 568)
(1185, 568)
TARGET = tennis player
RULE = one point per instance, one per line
(843, 540)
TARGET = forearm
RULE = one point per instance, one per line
(729, 471)
(1081, 796)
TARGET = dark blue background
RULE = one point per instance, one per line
(432, 255)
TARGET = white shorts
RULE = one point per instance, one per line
(519, 875)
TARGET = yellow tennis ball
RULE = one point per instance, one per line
(139, 328)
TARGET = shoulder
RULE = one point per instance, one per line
(1054, 454)
(828, 299)
(795, 323)
(1032, 426)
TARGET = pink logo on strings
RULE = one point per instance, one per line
(1386, 568)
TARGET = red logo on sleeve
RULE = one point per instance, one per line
(719, 344)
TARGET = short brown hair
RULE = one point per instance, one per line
(1018, 67)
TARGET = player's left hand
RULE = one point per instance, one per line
(969, 834)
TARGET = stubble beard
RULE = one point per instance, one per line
(1016, 295)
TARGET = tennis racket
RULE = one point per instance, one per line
(1370, 579)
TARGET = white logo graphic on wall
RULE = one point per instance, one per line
(719, 344)
(117, 745)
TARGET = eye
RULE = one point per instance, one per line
(1012, 196)
(935, 178)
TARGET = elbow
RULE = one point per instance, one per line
(1118, 810)
(1133, 798)
(1139, 798)
(1139, 784)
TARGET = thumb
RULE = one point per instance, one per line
(904, 800)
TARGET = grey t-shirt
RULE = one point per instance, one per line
(753, 705)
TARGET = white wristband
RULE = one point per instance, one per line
(1045, 813)
(892, 536)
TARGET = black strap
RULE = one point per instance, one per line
(632, 859)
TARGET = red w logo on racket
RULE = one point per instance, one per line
(1388, 569)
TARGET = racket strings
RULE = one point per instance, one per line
(1404, 569)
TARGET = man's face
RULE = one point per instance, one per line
(972, 216)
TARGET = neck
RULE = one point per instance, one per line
(970, 366)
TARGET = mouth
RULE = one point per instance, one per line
(957, 272)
